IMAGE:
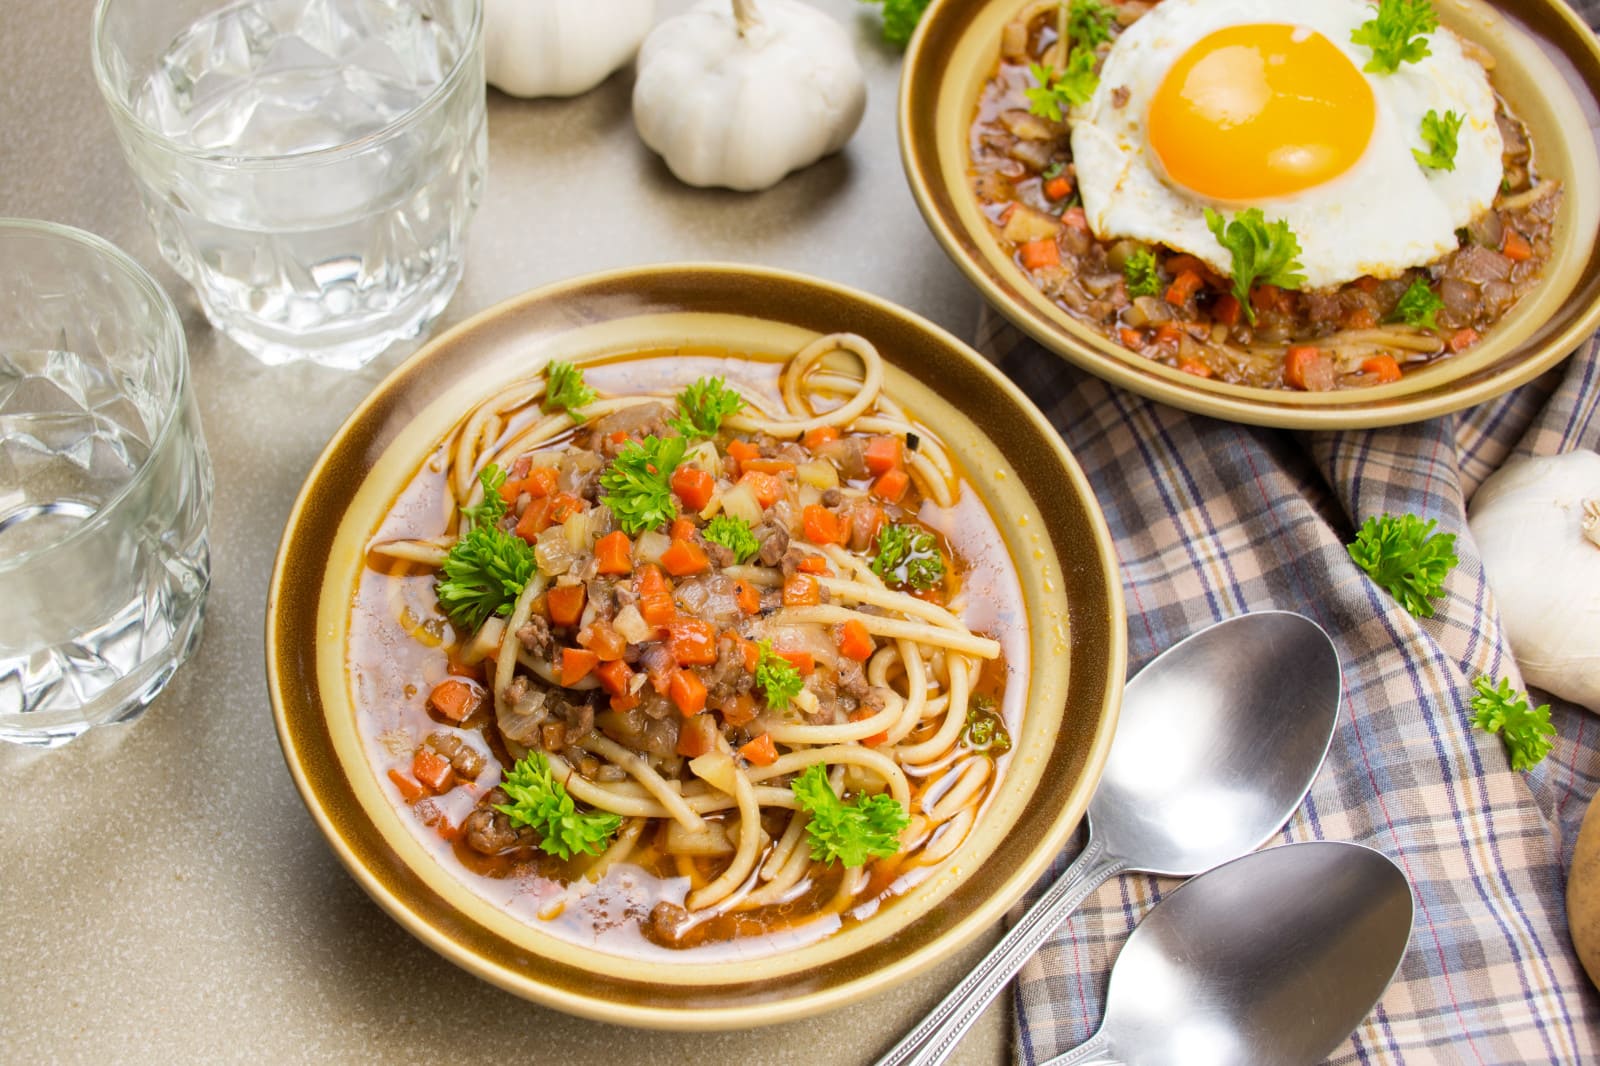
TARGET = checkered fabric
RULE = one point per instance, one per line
(1213, 519)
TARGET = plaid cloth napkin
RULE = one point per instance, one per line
(1213, 519)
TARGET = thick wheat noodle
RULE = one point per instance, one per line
(744, 859)
(967, 643)
(798, 733)
(646, 776)
(930, 480)
(547, 672)
(849, 755)
(928, 444)
(620, 849)
(796, 862)
(1529, 197)
(755, 575)
(849, 885)
(974, 775)
(505, 664)
(553, 425)
(955, 719)
(947, 838)
(889, 600)
(463, 465)
(423, 552)
(689, 871)
(789, 841)
(871, 385)
(916, 669)
(798, 373)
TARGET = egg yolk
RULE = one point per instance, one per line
(1253, 112)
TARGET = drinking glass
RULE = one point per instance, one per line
(309, 166)
(105, 486)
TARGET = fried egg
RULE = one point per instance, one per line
(1233, 104)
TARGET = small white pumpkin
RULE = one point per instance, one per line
(738, 93)
(560, 47)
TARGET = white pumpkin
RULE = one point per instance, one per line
(560, 47)
(738, 93)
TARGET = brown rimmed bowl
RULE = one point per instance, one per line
(1013, 458)
(1548, 69)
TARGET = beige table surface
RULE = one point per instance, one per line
(165, 897)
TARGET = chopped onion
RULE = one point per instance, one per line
(651, 546)
(552, 552)
(631, 624)
(740, 502)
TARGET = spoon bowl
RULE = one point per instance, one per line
(1272, 958)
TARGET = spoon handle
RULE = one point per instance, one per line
(1095, 1051)
(937, 1035)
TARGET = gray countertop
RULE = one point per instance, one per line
(165, 896)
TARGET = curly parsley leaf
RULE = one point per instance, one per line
(1439, 134)
(565, 390)
(734, 534)
(908, 555)
(986, 730)
(484, 574)
(1262, 251)
(1089, 23)
(1525, 730)
(1142, 274)
(638, 483)
(1056, 92)
(1404, 556)
(541, 802)
(1418, 306)
(778, 678)
(1396, 34)
(900, 18)
(493, 507)
(702, 407)
(850, 833)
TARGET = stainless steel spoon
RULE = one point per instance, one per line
(1270, 959)
(1219, 738)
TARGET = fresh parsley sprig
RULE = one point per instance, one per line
(850, 833)
(486, 569)
(778, 678)
(1439, 134)
(900, 18)
(565, 390)
(1418, 306)
(1397, 34)
(1058, 91)
(638, 483)
(1262, 251)
(541, 802)
(1404, 556)
(1525, 730)
(1142, 274)
(908, 555)
(493, 506)
(1089, 23)
(733, 533)
(702, 407)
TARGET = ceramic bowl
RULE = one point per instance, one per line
(1548, 68)
(1013, 459)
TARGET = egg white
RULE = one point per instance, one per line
(1383, 215)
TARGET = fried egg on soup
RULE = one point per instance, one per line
(1232, 104)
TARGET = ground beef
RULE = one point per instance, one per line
(636, 423)
(535, 636)
(774, 541)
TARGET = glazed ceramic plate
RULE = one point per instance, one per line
(1548, 68)
(1012, 458)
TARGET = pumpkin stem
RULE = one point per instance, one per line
(1591, 521)
(746, 15)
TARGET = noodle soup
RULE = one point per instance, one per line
(723, 667)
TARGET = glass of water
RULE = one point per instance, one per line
(105, 486)
(309, 166)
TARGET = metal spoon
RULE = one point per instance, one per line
(1219, 738)
(1270, 959)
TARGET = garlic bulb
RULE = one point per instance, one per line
(739, 94)
(560, 47)
(1537, 524)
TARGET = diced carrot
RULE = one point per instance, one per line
(872, 517)
(761, 751)
(535, 519)
(1058, 187)
(510, 490)
(737, 710)
(1040, 253)
(693, 486)
(767, 466)
(854, 641)
(577, 664)
(1227, 309)
(660, 674)
(541, 482)
(650, 581)
(1183, 287)
(432, 769)
(1515, 246)
(448, 830)
(563, 506)
(1367, 283)
(692, 641)
(618, 437)
(682, 528)
(684, 557)
(816, 438)
(614, 676)
(747, 596)
(688, 693)
(743, 450)
(822, 526)
(1269, 298)
(814, 564)
(1169, 333)
(1382, 367)
(410, 790)
(600, 638)
(767, 487)
(1075, 217)
(875, 739)
(801, 590)
(1359, 318)
(751, 652)
(613, 553)
(1131, 338)
(1006, 212)
(469, 670)
(626, 702)
(1195, 367)
(892, 486)
(455, 699)
(697, 736)
(658, 610)
(884, 454)
(802, 661)
(1307, 368)
(1463, 338)
(565, 604)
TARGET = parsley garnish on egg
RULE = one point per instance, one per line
(1397, 33)
(1439, 134)
(1264, 252)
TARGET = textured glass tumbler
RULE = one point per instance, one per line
(309, 166)
(105, 486)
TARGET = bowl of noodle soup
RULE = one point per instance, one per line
(688, 712)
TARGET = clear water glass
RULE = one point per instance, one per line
(105, 486)
(309, 166)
